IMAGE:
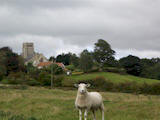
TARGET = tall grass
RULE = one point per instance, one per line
(37, 103)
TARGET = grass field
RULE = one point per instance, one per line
(113, 77)
(56, 104)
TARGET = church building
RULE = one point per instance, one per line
(30, 56)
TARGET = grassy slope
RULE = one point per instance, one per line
(45, 104)
(113, 77)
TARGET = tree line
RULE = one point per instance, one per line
(100, 59)
(103, 56)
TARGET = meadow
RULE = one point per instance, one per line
(39, 103)
(113, 77)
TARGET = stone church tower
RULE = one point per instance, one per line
(28, 50)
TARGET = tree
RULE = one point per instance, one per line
(64, 58)
(52, 58)
(103, 52)
(11, 61)
(150, 68)
(132, 65)
(3, 70)
(86, 61)
(74, 59)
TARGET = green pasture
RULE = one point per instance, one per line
(113, 77)
(38, 103)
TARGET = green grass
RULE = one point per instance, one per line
(117, 78)
(56, 104)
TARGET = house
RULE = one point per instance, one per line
(36, 59)
(46, 64)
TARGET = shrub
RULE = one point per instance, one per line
(70, 67)
(33, 82)
(1, 77)
(145, 88)
(56, 69)
(99, 82)
(10, 80)
(156, 88)
(150, 89)
(102, 84)
(57, 82)
(94, 69)
(127, 87)
(44, 78)
(15, 78)
(114, 70)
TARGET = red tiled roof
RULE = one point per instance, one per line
(45, 64)
(42, 64)
(60, 64)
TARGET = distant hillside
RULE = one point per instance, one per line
(113, 77)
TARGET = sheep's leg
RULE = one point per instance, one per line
(102, 114)
(94, 116)
(85, 114)
(80, 114)
(102, 111)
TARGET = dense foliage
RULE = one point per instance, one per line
(10, 62)
(86, 61)
(132, 64)
(13, 70)
(103, 53)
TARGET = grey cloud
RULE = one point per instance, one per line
(124, 24)
(45, 4)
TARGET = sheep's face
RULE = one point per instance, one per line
(82, 88)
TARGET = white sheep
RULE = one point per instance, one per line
(88, 101)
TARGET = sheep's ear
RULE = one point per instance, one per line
(88, 85)
(76, 85)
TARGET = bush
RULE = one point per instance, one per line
(127, 87)
(10, 80)
(1, 77)
(114, 70)
(56, 69)
(99, 82)
(94, 70)
(57, 82)
(32, 82)
(153, 89)
(156, 89)
(15, 78)
(70, 67)
(44, 78)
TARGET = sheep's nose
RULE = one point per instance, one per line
(82, 91)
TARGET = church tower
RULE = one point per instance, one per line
(28, 50)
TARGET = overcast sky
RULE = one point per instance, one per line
(56, 26)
